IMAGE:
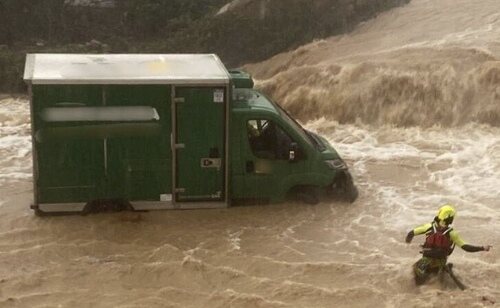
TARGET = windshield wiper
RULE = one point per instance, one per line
(316, 141)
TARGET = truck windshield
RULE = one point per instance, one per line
(304, 132)
(248, 94)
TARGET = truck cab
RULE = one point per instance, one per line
(274, 158)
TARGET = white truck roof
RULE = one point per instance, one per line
(187, 69)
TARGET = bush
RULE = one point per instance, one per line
(256, 31)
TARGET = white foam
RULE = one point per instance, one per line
(235, 240)
(466, 159)
(15, 140)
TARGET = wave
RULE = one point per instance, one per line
(404, 87)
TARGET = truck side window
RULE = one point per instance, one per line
(268, 140)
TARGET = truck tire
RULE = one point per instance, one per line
(40, 213)
(344, 189)
(306, 194)
(351, 193)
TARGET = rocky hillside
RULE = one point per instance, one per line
(239, 31)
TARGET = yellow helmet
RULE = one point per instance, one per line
(446, 214)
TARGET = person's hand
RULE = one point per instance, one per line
(409, 237)
(487, 247)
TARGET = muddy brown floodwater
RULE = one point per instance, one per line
(410, 99)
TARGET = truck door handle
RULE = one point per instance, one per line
(250, 167)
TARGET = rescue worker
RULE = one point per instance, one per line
(440, 241)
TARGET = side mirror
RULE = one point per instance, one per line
(292, 152)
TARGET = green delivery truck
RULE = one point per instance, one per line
(166, 131)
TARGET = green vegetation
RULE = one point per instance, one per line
(253, 31)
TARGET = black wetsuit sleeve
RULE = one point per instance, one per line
(472, 248)
(410, 236)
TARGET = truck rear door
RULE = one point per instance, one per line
(199, 143)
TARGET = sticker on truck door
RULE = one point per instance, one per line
(166, 197)
(219, 96)
(211, 163)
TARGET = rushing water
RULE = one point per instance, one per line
(410, 100)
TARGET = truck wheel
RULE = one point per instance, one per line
(344, 189)
(307, 195)
(40, 213)
(351, 192)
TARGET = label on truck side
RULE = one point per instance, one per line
(211, 163)
(166, 197)
(219, 96)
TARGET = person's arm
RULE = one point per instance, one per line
(472, 248)
(455, 237)
(409, 236)
(417, 231)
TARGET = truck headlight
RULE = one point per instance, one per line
(336, 164)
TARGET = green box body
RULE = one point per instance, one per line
(162, 141)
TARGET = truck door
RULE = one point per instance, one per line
(267, 164)
(199, 143)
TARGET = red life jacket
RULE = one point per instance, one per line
(438, 243)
